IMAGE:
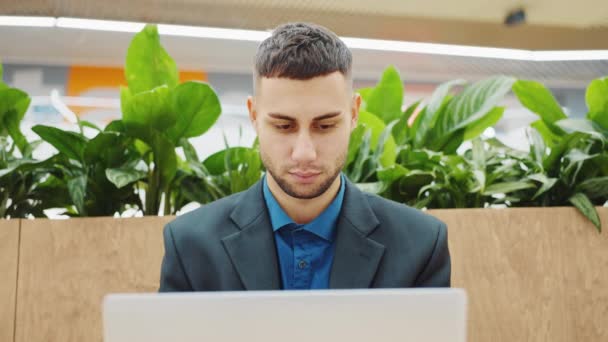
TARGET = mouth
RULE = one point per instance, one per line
(305, 177)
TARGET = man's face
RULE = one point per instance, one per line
(304, 128)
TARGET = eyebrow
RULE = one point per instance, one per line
(318, 118)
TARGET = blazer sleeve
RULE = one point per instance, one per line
(437, 271)
(172, 275)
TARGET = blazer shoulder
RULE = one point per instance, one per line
(411, 234)
(395, 214)
(210, 218)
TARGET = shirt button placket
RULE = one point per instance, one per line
(300, 263)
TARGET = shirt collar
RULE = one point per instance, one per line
(322, 226)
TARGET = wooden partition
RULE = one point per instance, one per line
(9, 254)
(67, 266)
(531, 274)
(537, 274)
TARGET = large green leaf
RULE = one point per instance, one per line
(425, 124)
(7, 101)
(12, 121)
(583, 126)
(189, 150)
(551, 139)
(471, 105)
(401, 130)
(537, 98)
(149, 108)
(386, 98)
(108, 147)
(537, 146)
(13, 99)
(227, 159)
(122, 177)
(597, 101)
(600, 118)
(69, 143)
(165, 158)
(148, 65)
(355, 173)
(596, 95)
(450, 143)
(392, 173)
(197, 108)
(594, 187)
(376, 125)
(601, 164)
(17, 164)
(414, 181)
(356, 138)
(77, 187)
(584, 205)
(546, 183)
(490, 119)
(116, 126)
(558, 150)
(365, 93)
(576, 155)
(13, 105)
(507, 187)
(84, 123)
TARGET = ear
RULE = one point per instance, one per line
(252, 112)
(356, 104)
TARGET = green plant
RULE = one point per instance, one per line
(13, 105)
(567, 162)
(161, 115)
(442, 125)
(415, 156)
(571, 153)
(80, 170)
(223, 173)
(24, 182)
(137, 155)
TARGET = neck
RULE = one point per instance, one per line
(303, 211)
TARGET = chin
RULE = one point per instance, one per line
(307, 188)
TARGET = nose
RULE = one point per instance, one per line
(304, 149)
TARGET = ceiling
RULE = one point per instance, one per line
(61, 46)
(580, 14)
(551, 24)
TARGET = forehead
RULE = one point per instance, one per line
(323, 93)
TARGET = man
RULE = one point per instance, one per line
(304, 225)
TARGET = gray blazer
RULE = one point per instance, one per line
(228, 245)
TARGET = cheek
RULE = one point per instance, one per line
(273, 145)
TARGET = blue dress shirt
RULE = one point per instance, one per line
(305, 251)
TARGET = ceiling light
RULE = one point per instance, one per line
(212, 32)
(440, 49)
(99, 25)
(27, 21)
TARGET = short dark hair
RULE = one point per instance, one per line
(302, 51)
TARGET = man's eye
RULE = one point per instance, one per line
(283, 127)
(326, 126)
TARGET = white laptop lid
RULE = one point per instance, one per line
(420, 315)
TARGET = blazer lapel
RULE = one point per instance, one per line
(253, 252)
(252, 249)
(356, 257)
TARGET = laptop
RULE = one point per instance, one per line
(368, 315)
